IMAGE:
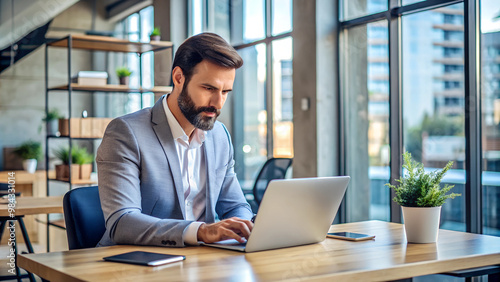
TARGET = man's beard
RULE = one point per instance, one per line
(194, 114)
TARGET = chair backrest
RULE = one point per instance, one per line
(274, 168)
(4, 188)
(84, 217)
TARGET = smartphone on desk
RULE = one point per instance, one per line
(350, 236)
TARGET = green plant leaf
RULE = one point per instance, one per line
(418, 188)
(123, 72)
(29, 150)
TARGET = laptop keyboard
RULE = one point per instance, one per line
(231, 242)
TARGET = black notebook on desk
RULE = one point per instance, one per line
(145, 258)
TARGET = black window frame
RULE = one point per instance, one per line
(472, 75)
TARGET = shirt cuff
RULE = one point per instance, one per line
(190, 237)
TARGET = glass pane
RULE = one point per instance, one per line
(247, 21)
(365, 86)
(196, 16)
(490, 95)
(282, 16)
(282, 98)
(351, 9)
(249, 115)
(433, 99)
(133, 27)
(147, 23)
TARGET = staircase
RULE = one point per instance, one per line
(11, 54)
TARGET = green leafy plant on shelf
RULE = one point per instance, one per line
(418, 188)
(123, 72)
(79, 155)
(155, 32)
(29, 150)
(52, 115)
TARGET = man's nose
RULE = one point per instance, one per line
(218, 100)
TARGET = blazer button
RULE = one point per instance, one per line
(164, 242)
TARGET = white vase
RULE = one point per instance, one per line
(421, 224)
(30, 165)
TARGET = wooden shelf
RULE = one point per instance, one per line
(113, 88)
(76, 181)
(105, 43)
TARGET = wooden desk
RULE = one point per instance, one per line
(27, 206)
(28, 184)
(34, 205)
(388, 257)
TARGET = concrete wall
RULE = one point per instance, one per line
(22, 86)
(314, 80)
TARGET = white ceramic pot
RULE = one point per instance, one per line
(421, 224)
(30, 165)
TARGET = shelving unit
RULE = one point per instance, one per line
(92, 43)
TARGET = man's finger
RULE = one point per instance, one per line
(228, 233)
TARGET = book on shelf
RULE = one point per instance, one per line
(91, 78)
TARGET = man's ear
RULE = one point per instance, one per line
(178, 77)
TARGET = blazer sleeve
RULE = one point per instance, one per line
(118, 165)
(231, 202)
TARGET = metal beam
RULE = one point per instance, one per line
(396, 109)
(473, 150)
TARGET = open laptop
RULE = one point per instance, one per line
(293, 212)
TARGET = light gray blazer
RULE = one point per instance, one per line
(140, 183)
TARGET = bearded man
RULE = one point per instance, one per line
(166, 174)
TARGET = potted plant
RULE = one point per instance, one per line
(123, 74)
(52, 121)
(30, 152)
(62, 170)
(84, 160)
(155, 34)
(420, 196)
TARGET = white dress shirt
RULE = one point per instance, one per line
(194, 173)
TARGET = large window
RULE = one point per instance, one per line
(366, 87)
(433, 98)
(490, 118)
(261, 101)
(402, 77)
(137, 28)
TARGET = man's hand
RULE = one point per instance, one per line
(231, 228)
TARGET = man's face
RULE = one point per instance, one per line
(203, 97)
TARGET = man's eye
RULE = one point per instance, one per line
(209, 88)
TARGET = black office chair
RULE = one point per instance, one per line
(274, 168)
(84, 217)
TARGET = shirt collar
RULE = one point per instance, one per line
(176, 128)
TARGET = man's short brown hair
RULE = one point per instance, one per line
(205, 46)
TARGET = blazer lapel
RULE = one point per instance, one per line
(210, 162)
(164, 135)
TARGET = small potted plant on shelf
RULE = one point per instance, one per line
(155, 34)
(420, 196)
(62, 170)
(84, 160)
(30, 152)
(52, 120)
(123, 74)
